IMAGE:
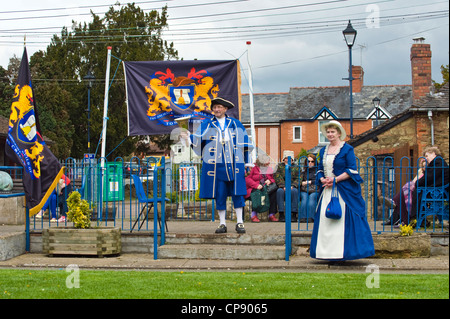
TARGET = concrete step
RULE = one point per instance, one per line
(12, 245)
(229, 238)
(221, 252)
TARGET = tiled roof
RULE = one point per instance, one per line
(433, 101)
(304, 103)
(268, 107)
(438, 100)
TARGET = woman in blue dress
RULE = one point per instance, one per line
(349, 237)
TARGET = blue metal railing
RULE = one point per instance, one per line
(110, 193)
(181, 182)
(288, 209)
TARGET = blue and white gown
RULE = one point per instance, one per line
(350, 236)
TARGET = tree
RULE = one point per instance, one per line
(445, 77)
(61, 93)
(7, 79)
(6, 93)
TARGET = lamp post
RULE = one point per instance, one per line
(376, 104)
(252, 111)
(350, 36)
(89, 78)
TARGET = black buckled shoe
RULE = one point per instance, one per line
(240, 228)
(222, 229)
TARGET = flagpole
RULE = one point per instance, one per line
(105, 122)
(252, 112)
(105, 107)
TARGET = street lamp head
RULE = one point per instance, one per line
(376, 102)
(349, 35)
(89, 78)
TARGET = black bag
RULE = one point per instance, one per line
(271, 188)
(260, 200)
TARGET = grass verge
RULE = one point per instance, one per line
(99, 284)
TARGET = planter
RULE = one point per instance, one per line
(395, 246)
(99, 242)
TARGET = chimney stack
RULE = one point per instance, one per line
(358, 76)
(420, 68)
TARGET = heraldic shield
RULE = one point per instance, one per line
(182, 96)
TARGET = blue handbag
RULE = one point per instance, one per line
(334, 210)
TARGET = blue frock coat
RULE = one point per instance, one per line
(222, 161)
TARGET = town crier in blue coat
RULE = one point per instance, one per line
(225, 148)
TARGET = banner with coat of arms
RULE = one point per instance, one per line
(26, 147)
(158, 92)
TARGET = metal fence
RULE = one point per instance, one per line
(112, 195)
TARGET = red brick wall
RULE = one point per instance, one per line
(274, 140)
(310, 134)
(421, 69)
(358, 75)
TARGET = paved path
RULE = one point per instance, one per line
(298, 263)
(439, 264)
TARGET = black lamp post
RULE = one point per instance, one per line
(89, 78)
(376, 103)
(350, 36)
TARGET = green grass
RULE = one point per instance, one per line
(22, 283)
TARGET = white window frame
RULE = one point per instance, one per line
(300, 128)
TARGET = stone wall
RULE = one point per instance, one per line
(415, 131)
(398, 136)
(12, 210)
(441, 128)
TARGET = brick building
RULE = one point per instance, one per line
(291, 121)
(424, 123)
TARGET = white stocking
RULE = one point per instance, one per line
(222, 214)
(239, 219)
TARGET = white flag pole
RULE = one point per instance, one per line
(252, 112)
(105, 121)
(105, 107)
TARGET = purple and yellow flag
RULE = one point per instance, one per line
(158, 92)
(26, 147)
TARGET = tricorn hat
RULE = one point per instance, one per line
(219, 100)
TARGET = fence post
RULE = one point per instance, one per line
(287, 202)
(155, 212)
(27, 228)
(163, 200)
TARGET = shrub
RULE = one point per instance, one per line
(79, 212)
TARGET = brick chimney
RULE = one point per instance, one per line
(358, 76)
(420, 68)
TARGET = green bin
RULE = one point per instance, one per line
(112, 182)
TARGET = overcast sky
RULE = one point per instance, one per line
(293, 43)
